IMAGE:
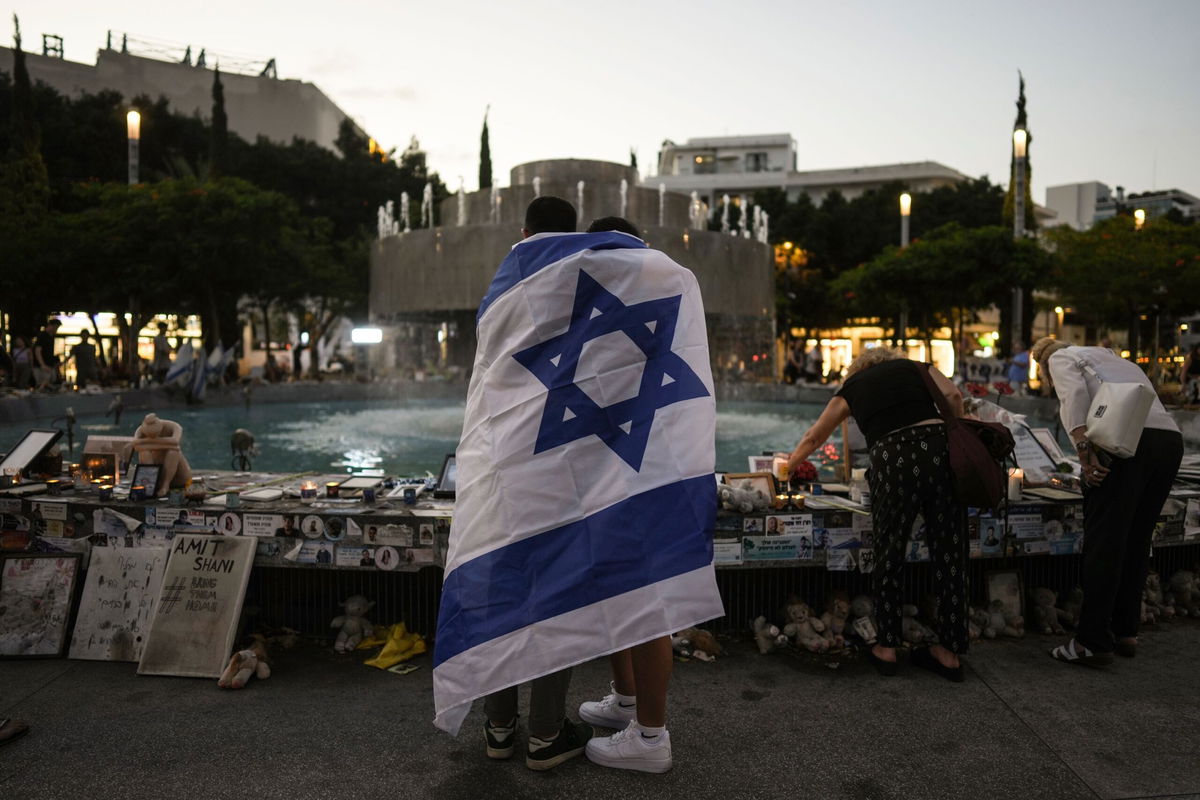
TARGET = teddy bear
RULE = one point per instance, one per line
(1073, 606)
(837, 613)
(701, 644)
(862, 618)
(1184, 594)
(1046, 614)
(767, 636)
(911, 629)
(803, 628)
(1152, 595)
(353, 625)
(244, 664)
(1005, 622)
(742, 497)
(979, 625)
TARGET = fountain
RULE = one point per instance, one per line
(624, 195)
(404, 211)
(579, 199)
(662, 203)
(427, 206)
(494, 206)
(725, 213)
(695, 215)
(743, 222)
(537, 186)
(462, 207)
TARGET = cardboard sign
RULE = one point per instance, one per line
(36, 593)
(118, 603)
(196, 617)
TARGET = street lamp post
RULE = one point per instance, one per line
(1020, 140)
(133, 126)
(905, 210)
(1139, 218)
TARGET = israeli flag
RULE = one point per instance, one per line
(181, 368)
(585, 498)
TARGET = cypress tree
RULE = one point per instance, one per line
(24, 184)
(218, 143)
(485, 155)
(633, 157)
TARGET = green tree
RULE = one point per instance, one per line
(485, 156)
(218, 148)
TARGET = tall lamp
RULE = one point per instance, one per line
(1020, 141)
(133, 127)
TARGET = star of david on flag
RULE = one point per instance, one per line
(624, 426)
(586, 500)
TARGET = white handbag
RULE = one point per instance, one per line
(1117, 415)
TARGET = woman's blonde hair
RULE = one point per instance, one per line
(869, 358)
(1045, 347)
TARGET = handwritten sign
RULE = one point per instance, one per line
(198, 606)
(118, 603)
(35, 604)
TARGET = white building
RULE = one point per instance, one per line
(735, 165)
(1081, 205)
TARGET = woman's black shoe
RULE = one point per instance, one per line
(885, 668)
(926, 660)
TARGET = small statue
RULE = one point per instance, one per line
(157, 442)
(353, 625)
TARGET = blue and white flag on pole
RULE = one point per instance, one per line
(585, 497)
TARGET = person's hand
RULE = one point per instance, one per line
(1093, 472)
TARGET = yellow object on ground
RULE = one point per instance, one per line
(400, 646)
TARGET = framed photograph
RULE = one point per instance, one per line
(1005, 585)
(762, 481)
(147, 475)
(761, 463)
(37, 593)
(30, 448)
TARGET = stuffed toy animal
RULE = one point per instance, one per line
(979, 625)
(803, 628)
(700, 641)
(353, 625)
(1153, 597)
(862, 618)
(911, 628)
(1185, 595)
(1046, 615)
(836, 618)
(742, 497)
(1073, 607)
(767, 636)
(243, 664)
(1004, 622)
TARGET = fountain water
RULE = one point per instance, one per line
(743, 217)
(462, 207)
(579, 199)
(387, 220)
(695, 215)
(662, 203)
(537, 186)
(404, 211)
(624, 195)
(494, 206)
(427, 206)
(724, 213)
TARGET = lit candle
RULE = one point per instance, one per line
(308, 491)
(97, 483)
(137, 493)
(331, 488)
(54, 486)
(781, 500)
(1016, 476)
(105, 490)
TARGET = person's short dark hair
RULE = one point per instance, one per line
(162, 326)
(56, 322)
(614, 224)
(550, 214)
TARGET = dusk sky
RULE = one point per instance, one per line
(1113, 90)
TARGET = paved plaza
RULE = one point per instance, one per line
(746, 726)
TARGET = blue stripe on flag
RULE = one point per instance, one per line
(530, 257)
(637, 542)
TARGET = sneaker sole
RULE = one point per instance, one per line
(613, 723)
(541, 765)
(656, 767)
(499, 753)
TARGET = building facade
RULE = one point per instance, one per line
(1081, 205)
(737, 165)
(257, 105)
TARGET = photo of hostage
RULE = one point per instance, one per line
(156, 441)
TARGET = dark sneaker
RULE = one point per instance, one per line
(545, 754)
(499, 740)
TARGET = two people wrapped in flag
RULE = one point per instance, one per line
(586, 498)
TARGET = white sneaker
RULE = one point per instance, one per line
(628, 749)
(608, 713)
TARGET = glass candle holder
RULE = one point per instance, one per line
(331, 488)
(308, 491)
(105, 490)
(137, 493)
